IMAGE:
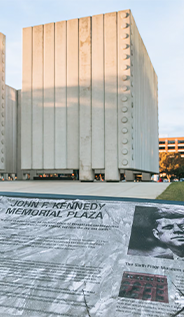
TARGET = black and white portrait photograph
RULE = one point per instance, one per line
(158, 232)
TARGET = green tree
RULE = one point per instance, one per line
(172, 164)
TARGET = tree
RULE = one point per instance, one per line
(180, 171)
(172, 164)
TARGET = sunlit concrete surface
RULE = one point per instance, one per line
(122, 189)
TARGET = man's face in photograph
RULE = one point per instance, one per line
(170, 231)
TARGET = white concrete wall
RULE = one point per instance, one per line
(125, 110)
(145, 105)
(18, 171)
(89, 97)
(27, 94)
(85, 132)
(11, 130)
(8, 118)
(49, 97)
(2, 100)
(72, 121)
(36, 102)
(111, 82)
(98, 89)
(60, 95)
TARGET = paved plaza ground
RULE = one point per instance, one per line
(148, 190)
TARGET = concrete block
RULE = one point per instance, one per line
(37, 98)
(111, 113)
(85, 169)
(98, 101)
(145, 105)
(73, 94)
(11, 130)
(48, 112)
(125, 110)
(60, 95)
(5, 176)
(26, 109)
(89, 98)
(32, 174)
(2, 102)
(13, 176)
(129, 175)
(146, 176)
(19, 172)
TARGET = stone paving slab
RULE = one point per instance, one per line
(147, 190)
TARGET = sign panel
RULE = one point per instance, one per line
(80, 258)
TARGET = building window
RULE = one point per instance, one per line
(171, 148)
(180, 141)
(161, 142)
(180, 147)
(171, 142)
(162, 148)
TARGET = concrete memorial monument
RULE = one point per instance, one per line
(9, 136)
(89, 99)
(2, 99)
(71, 257)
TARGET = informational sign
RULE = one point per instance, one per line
(90, 258)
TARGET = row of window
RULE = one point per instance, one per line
(171, 142)
(163, 148)
(172, 147)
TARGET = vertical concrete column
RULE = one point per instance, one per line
(145, 116)
(13, 176)
(98, 102)
(154, 127)
(14, 137)
(37, 98)
(148, 95)
(60, 94)
(85, 168)
(26, 109)
(141, 114)
(125, 82)
(156, 161)
(139, 118)
(73, 94)
(32, 174)
(135, 95)
(2, 101)
(111, 107)
(49, 102)
(19, 171)
(151, 124)
(11, 130)
(133, 91)
(8, 130)
(149, 110)
(129, 176)
(5, 176)
(146, 176)
(133, 44)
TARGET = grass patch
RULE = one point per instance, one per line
(173, 192)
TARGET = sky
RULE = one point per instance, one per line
(161, 26)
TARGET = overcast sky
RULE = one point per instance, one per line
(160, 23)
